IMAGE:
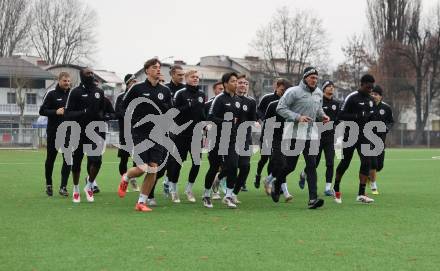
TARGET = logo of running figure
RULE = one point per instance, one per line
(163, 125)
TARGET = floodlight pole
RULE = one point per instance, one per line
(429, 106)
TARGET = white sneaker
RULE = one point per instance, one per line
(207, 202)
(89, 194)
(229, 202)
(175, 197)
(288, 198)
(337, 196)
(235, 200)
(76, 197)
(134, 185)
(267, 186)
(364, 199)
(152, 202)
(190, 196)
(216, 196)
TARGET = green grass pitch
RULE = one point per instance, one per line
(400, 231)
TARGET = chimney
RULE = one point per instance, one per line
(41, 62)
(251, 58)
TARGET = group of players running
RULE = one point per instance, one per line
(187, 106)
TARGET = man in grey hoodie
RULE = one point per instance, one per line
(301, 105)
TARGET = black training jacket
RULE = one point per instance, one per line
(331, 108)
(159, 95)
(264, 103)
(85, 104)
(357, 107)
(52, 101)
(173, 87)
(190, 101)
(225, 103)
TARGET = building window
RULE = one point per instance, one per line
(268, 85)
(435, 125)
(11, 99)
(31, 98)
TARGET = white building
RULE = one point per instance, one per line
(22, 88)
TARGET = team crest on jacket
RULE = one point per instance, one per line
(382, 112)
(334, 107)
(245, 108)
(200, 99)
(160, 96)
(237, 104)
(97, 95)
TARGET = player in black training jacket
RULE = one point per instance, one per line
(248, 113)
(358, 106)
(279, 88)
(278, 159)
(154, 156)
(52, 107)
(85, 104)
(327, 141)
(383, 113)
(123, 155)
(217, 88)
(230, 104)
(176, 83)
(190, 101)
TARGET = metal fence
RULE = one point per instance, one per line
(21, 138)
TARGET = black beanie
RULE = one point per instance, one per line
(128, 78)
(326, 84)
(377, 89)
(309, 71)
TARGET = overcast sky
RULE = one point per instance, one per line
(131, 31)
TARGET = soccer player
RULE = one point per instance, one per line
(248, 113)
(217, 88)
(302, 104)
(279, 88)
(53, 107)
(225, 110)
(176, 83)
(190, 101)
(278, 159)
(85, 104)
(177, 77)
(383, 113)
(123, 155)
(357, 107)
(327, 141)
(154, 156)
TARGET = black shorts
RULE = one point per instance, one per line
(154, 154)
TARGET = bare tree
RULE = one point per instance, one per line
(389, 20)
(63, 32)
(15, 22)
(289, 42)
(22, 86)
(357, 59)
(421, 50)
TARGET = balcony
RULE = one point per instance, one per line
(14, 110)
